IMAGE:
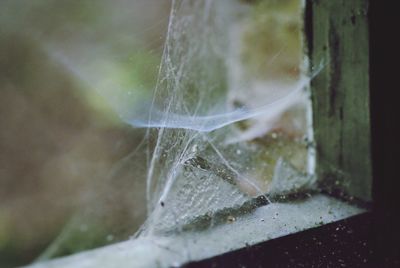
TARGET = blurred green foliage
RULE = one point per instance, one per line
(273, 39)
(62, 145)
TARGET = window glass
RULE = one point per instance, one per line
(172, 122)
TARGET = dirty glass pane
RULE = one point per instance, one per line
(170, 123)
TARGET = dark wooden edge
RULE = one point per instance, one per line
(385, 109)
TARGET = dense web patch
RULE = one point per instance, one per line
(198, 167)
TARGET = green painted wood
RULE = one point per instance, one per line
(337, 31)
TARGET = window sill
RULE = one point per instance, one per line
(264, 223)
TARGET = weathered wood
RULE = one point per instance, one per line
(337, 31)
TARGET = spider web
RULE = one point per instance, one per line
(219, 143)
(197, 168)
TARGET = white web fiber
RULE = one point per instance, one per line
(192, 82)
(194, 171)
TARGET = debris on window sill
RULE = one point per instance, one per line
(264, 223)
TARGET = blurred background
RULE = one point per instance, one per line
(67, 170)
